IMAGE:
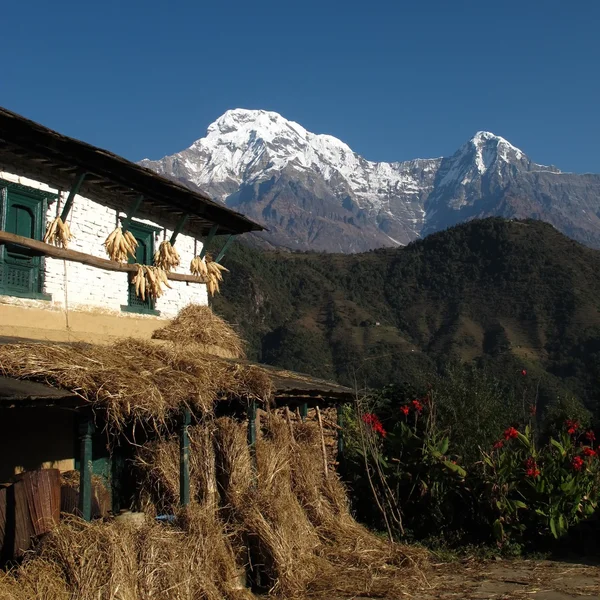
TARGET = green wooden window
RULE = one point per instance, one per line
(22, 211)
(144, 234)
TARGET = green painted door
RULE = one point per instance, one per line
(20, 267)
(144, 255)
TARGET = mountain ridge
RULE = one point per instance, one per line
(313, 192)
(507, 295)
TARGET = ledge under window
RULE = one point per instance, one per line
(30, 295)
(140, 310)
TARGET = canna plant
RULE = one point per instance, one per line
(538, 492)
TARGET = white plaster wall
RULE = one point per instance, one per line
(81, 287)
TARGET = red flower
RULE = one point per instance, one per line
(590, 436)
(417, 405)
(404, 410)
(511, 432)
(587, 451)
(498, 445)
(572, 426)
(531, 468)
(524, 372)
(577, 463)
(373, 420)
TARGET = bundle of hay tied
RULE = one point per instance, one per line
(275, 516)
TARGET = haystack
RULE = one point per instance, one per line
(198, 325)
(269, 511)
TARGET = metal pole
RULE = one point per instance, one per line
(86, 429)
(184, 458)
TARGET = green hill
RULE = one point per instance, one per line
(507, 294)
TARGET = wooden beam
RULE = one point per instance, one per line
(303, 411)
(182, 221)
(224, 249)
(131, 212)
(86, 429)
(208, 240)
(72, 193)
(82, 257)
(184, 458)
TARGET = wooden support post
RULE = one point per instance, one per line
(252, 433)
(303, 411)
(224, 249)
(208, 240)
(323, 449)
(288, 416)
(178, 229)
(135, 205)
(72, 193)
(184, 458)
(340, 433)
(86, 429)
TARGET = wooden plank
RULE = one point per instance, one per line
(43, 498)
(82, 257)
(23, 528)
(2, 515)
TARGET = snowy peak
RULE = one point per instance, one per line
(313, 192)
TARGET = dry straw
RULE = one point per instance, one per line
(199, 325)
(285, 520)
(135, 379)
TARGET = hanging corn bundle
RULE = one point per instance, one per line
(58, 233)
(198, 267)
(119, 246)
(210, 270)
(166, 257)
(148, 281)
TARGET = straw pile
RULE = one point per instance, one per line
(135, 379)
(286, 524)
(196, 324)
(117, 560)
(290, 524)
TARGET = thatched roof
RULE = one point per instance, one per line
(135, 379)
(38, 152)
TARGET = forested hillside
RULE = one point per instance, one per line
(508, 295)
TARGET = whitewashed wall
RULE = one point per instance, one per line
(80, 287)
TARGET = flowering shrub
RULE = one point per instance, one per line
(535, 492)
(519, 492)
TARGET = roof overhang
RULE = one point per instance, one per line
(35, 151)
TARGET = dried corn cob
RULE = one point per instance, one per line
(119, 246)
(166, 257)
(58, 233)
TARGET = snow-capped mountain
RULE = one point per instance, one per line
(313, 192)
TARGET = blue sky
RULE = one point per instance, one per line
(395, 80)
